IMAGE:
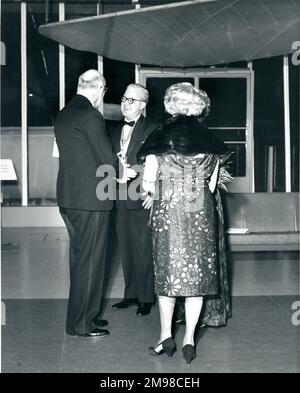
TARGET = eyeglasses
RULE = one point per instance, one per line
(130, 100)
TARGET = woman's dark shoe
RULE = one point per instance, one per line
(168, 347)
(189, 353)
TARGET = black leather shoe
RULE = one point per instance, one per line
(125, 303)
(96, 333)
(100, 323)
(143, 309)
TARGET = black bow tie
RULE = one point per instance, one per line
(128, 123)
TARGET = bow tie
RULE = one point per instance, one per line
(128, 123)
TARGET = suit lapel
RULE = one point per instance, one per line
(137, 136)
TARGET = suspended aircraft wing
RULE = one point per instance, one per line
(186, 34)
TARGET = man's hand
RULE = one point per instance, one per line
(128, 173)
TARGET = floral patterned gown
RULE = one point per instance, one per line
(185, 227)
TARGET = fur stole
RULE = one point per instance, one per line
(182, 135)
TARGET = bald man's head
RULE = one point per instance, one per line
(91, 79)
(91, 84)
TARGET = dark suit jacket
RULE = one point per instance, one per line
(140, 132)
(83, 146)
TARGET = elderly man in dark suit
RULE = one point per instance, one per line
(84, 146)
(133, 232)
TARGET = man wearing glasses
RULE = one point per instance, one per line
(131, 218)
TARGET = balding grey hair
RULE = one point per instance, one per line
(91, 79)
(143, 92)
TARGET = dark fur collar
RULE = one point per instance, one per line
(182, 135)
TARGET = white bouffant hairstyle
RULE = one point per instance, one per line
(184, 99)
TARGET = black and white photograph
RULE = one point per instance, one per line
(150, 189)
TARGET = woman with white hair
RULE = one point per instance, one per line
(180, 178)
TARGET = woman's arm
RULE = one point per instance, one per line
(149, 180)
(150, 173)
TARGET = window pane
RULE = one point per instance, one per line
(108, 6)
(230, 135)
(77, 62)
(118, 75)
(295, 122)
(228, 101)
(11, 100)
(43, 104)
(269, 123)
(42, 68)
(11, 72)
(81, 9)
(228, 97)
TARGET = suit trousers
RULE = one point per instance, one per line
(88, 232)
(135, 245)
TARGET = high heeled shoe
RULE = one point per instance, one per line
(189, 353)
(168, 347)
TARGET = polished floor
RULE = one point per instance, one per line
(260, 336)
